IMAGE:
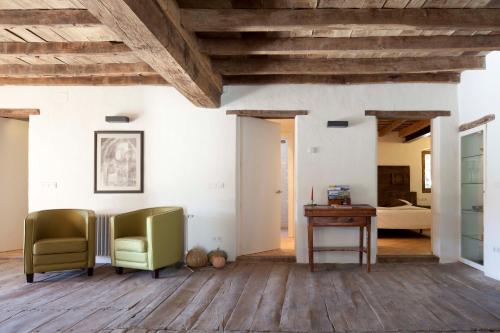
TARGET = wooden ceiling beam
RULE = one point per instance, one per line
(62, 48)
(366, 19)
(346, 66)
(268, 114)
(155, 34)
(342, 79)
(391, 127)
(417, 126)
(122, 80)
(410, 114)
(22, 114)
(333, 46)
(75, 70)
(41, 17)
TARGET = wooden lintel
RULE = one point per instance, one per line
(342, 79)
(62, 48)
(481, 121)
(122, 80)
(153, 32)
(22, 114)
(42, 17)
(410, 115)
(392, 126)
(346, 66)
(343, 47)
(415, 127)
(268, 114)
(365, 19)
(75, 70)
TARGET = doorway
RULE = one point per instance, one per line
(266, 189)
(404, 182)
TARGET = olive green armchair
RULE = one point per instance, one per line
(147, 239)
(59, 239)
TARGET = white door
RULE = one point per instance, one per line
(260, 182)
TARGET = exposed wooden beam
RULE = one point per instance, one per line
(157, 39)
(367, 19)
(346, 66)
(341, 46)
(481, 121)
(75, 70)
(268, 114)
(415, 127)
(391, 127)
(342, 79)
(42, 17)
(61, 48)
(122, 80)
(22, 114)
(410, 114)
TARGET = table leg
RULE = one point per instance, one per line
(369, 243)
(361, 244)
(310, 245)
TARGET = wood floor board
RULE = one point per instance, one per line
(189, 315)
(268, 314)
(217, 314)
(253, 297)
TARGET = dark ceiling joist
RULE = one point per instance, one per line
(62, 48)
(268, 114)
(340, 46)
(120, 80)
(53, 17)
(75, 70)
(415, 127)
(290, 19)
(346, 66)
(411, 115)
(391, 127)
(153, 31)
(342, 79)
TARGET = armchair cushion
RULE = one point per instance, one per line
(60, 245)
(131, 244)
(61, 258)
(127, 256)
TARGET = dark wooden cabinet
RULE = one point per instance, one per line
(356, 216)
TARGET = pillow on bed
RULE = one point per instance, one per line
(406, 202)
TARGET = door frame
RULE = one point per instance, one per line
(262, 115)
(473, 130)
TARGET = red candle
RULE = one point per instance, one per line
(312, 194)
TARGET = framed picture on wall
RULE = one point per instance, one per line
(119, 162)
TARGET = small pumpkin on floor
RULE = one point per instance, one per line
(218, 262)
(216, 253)
(196, 258)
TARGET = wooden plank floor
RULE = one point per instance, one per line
(252, 297)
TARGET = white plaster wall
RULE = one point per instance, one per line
(190, 153)
(479, 95)
(392, 151)
(13, 182)
(349, 155)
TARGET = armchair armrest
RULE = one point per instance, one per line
(29, 239)
(165, 235)
(90, 220)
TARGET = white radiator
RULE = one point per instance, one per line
(102, 235)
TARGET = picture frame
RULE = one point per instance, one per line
(119, 162)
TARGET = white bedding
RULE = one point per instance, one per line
(404, 217)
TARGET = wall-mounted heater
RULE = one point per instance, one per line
(117, 119)
(337, 124)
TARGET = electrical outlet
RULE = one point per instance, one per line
(217, 239)
(496, 249)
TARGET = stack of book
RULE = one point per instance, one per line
(339, 195)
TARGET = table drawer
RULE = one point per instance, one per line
(339, 219)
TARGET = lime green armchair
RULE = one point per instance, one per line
(59, 239)
(147, 239)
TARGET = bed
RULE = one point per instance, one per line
(397, 205)
(404, 217)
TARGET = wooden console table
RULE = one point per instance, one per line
(329, 216)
